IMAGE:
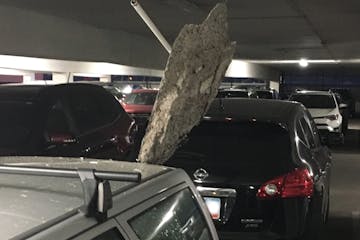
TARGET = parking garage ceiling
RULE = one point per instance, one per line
(263, 29)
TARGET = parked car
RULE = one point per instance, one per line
(346, 98)
(236, 93)
(267, 94)
(78, 120)
(261, 168)
(325, 111)
(87, 199)
(344, 111)
(140, 102)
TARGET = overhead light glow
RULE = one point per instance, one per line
(303, 63)
(127, 89)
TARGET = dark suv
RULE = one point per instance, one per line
(261, 168)
(86, 199)
(79, 120)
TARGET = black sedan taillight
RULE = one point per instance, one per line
(298, 183)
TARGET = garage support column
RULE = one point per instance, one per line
(274, 85)
(28, 77)
(105, 78)
(60, 77)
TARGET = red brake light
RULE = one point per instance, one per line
(298, 183)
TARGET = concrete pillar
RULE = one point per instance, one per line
(60, 77)
(274, 85)
(29, 77)
(105, 78)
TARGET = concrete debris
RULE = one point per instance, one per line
(196, 66)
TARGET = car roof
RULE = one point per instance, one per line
(145, 91)
(23, 92)
(30, 201)
(306, 92)
(232, 90)
(244, 109)
(19, 92)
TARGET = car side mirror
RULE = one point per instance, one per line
(61, 138)
(343, 106)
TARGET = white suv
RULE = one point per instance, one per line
(324, 109)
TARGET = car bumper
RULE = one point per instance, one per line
(270, 219)
(326, 128)
(324, 124)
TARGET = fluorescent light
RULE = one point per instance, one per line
(303, 63)
(315, 61)
(127, 89)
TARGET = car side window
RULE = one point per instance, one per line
(315, 133)
(308, 132)
(302, 143)
(300, 133)
(112, 234)
(177, 217)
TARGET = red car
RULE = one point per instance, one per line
(139, 105)
(140, 102)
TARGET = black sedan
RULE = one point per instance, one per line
(261, 168)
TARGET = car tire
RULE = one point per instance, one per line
(315, 223)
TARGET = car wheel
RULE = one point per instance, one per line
(314, 224)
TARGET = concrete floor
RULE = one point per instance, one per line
(344, 222)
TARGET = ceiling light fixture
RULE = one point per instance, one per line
(303, 63)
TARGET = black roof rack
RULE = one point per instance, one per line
(95, 184)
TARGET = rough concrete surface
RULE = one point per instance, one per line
(195, 68)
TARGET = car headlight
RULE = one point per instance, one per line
(332, 117)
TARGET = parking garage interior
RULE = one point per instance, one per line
(287, 46)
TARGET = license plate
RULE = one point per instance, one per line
(214, 206)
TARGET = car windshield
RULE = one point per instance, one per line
(16, 125)
(264, 94)
(232, 94)
(141, 98)
(314, 101)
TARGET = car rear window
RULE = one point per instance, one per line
(314, 101)
(177, 217)
(236, 147)
(143, 98)
(16, 124)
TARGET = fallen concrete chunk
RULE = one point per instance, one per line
(195, 68)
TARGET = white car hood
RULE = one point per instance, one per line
(321, 112)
